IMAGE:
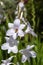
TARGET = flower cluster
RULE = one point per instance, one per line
(18, 28)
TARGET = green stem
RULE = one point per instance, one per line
(33, 14)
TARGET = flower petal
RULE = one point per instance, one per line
(21, 5)
(9, 50)
(4, 61)
(10, 32)
(22, 26)
(24, 58)
(15, 49)
(7, 38)
(27, 30)
(10, 58)
(10, 25)
(20, 33)
(10, 63)
(15, 35)
(17, 22)
(33, 54)
(30, 46)
(5, 46)
(33, 33)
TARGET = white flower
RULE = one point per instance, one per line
(30, 30)
(15, 29)
(7, 61)
(27, 53)
(10, 45)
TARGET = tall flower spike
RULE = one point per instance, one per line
(22, 15)
(7, 61)
(11, 45)
(27, 53)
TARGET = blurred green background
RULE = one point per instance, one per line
(34, 16)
